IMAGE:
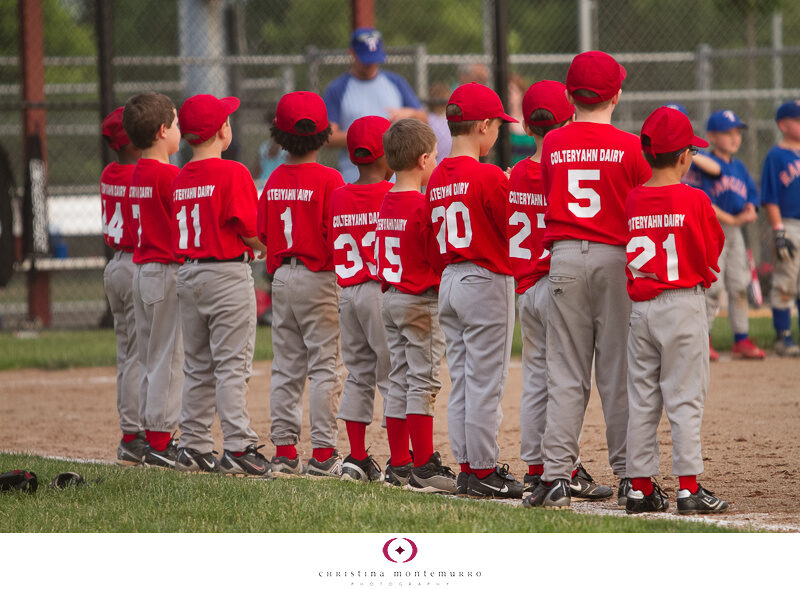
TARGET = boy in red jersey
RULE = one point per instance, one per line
(674, 243)
(152, 125)
(409, 265)
(118, 282)
(214, 228)
(354, 212)
(294, 220)
(588, 168)
(467, 206)
(544, 107)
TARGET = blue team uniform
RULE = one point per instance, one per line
(780, 181)
(731, 191)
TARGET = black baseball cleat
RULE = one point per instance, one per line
(638, 502)
(397, 476)
(499, 485)
(189, 460)
(432, 477)
(132, 452)
(252, 462)
(582, 486)
(366, 470)
(703, 501)
(164, 458)
(462, 483)
(622, 491)
(553, 496)
(281, 465)
(332, 467)
(531, 481)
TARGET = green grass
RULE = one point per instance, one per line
(156, 500)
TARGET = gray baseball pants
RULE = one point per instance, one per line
(476, 312)
(588, 316)
(305, 340)
(416, 344)
(786, 276)
(364, 350)
(667, 365)
(734, 276)
(118, 282)
(218, 316)
(160, 342)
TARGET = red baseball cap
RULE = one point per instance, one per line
(296, 106)
(204, 114)
(551, 96)
(477, 102)
(667, 130)
(367, 133)
(595, 71)
(113, 129)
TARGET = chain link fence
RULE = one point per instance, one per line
(737, 54)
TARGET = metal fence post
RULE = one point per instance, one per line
(501, 77)
(777, 62)
(704, 72)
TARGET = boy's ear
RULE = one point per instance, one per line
(615, 98)
(162, 131)
(422, 160)
(483, 126)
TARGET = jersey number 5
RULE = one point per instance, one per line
(644, 243)
(590, 199)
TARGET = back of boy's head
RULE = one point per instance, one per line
(143, 116)
(593, 79)
(365, 139)
(113, 131)
(788, 110)
(202, 115)
(470, 103)
(667, 133)
(301, 123)
(545, 106)
(405, 141)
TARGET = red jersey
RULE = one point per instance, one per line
(294, 215)
(213, 206)
(674, 240)
(526, 209)
(114, 182)
(408, 255)
(354, 212)
(587, 171)
(467, 206)
(150, 210)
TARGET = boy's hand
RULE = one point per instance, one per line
(748, 215)
(508, 172)
(784, 248)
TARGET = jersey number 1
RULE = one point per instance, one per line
(183, 241)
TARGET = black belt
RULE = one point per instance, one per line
(288, 262)
(241, 258)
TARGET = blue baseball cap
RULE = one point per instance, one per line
(677, 106)
(723, 120)
(788, 110)
(368, 45)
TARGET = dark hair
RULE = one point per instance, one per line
(143, 116)
(458, 127)
(300, 144)
(405, 141)
(362, 152)
(542, 114)
(662, 160)
(583, 93)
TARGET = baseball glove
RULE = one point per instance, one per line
(19, 480)
(784, 247)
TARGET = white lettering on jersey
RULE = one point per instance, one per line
(527, 198)
(140, 192)
(301, 194)
(113, 189)
(656, 221)
(355, 219)
(565, 156)
(391, 225)
(455, 189)
(194, 192)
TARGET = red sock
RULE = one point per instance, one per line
(643, 484)
(289, 452)
(159, 440)
(465, 467)
(356, 433)
(536, 469)
(128, 437)
(237, 454)
(482, 473)
(397, 432)
(689, 483)
(420, 430)
(574, 472)
(321, 454)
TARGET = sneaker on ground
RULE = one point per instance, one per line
(252, 462)
(785, 346)
(530, 482)
(746, 349)
(281, 465)
(397, 476)
(500, 484)
(622, 491)
(132, 452)
(189, 460)
(582, 486)
(164, 458)
(701, 502)
(554, 496)
(433, 477)
(638, 502)
(332, 467)
(713, 355)
(462, 483)
(361, 470)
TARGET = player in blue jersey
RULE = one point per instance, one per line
(734, 197)
(367, 90)
(780, 190)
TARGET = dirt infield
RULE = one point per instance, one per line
(751, 428)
